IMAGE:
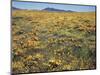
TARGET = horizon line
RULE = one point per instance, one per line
(42, 5)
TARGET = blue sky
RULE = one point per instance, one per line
(39, 6)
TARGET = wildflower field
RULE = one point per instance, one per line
(53, 41)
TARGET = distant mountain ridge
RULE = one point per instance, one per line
(14, 8)
(57, 10)
(46, 9)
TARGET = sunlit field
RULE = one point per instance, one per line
(53, 41)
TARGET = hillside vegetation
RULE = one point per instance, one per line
(52, 41)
